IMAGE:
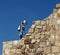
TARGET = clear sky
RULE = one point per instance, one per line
(12, 12)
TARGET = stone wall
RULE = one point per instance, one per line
(43, 38)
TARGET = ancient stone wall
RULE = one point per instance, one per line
(43, 38)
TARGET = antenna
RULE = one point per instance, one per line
(21, 28)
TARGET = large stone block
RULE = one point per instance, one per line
(42, 44)
(21, 42)
(57, 37)
(47, 50)
(58, 13)
(57, 5)
(37, 22)
(39, 50)
(31, 46)
(7, 51)
(57, 54)
(33, 40)
(55, 49)
(44, 28)
(57, 43)
(27, 41)
(31, 30)
(37, 36)
(43, 22)
(55, 10)
(51, 54)
(52, 38)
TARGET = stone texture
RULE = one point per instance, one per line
(55, 49)
(31, 30)
(33, 41)
(43, 22)
(57, 5)
(57, 43)
(47, 50)
(43, 38)
(27, 41)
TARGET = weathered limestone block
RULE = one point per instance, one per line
(28, 35)
(42, 44)
(26, 51)
(57, 43)
(47, 21)
(58, 21)
(32, 37)
(37, 40)
(21, 42)
(23, 47)
(27, 41)
(18, 50)
(15, 43)
(52, 38)
(48, 27)
(47, 50)
(55, 10)
(57, 53)
(57, 37)
(38, 29)
(51, 54)
(47, 42)
(31, 53)
(44, 28)
(27, 46)
(39, 50)
(31, 30)
(55, 49)
(34, 50)
(37, 36)
(7, 51)
(33, 40)
(7, 45)
(40, 53)
(33, 26)
(58, 13)
(47, 33)
(13, 50)
(18, 46)
(42, 33)
(37, 22)
(43, 22)
(42, 36)
(57, 5)
(36, 45)
(31, 46)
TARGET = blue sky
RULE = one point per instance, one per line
(12, 12)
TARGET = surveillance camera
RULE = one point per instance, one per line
(19, 28)
(24, 22)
